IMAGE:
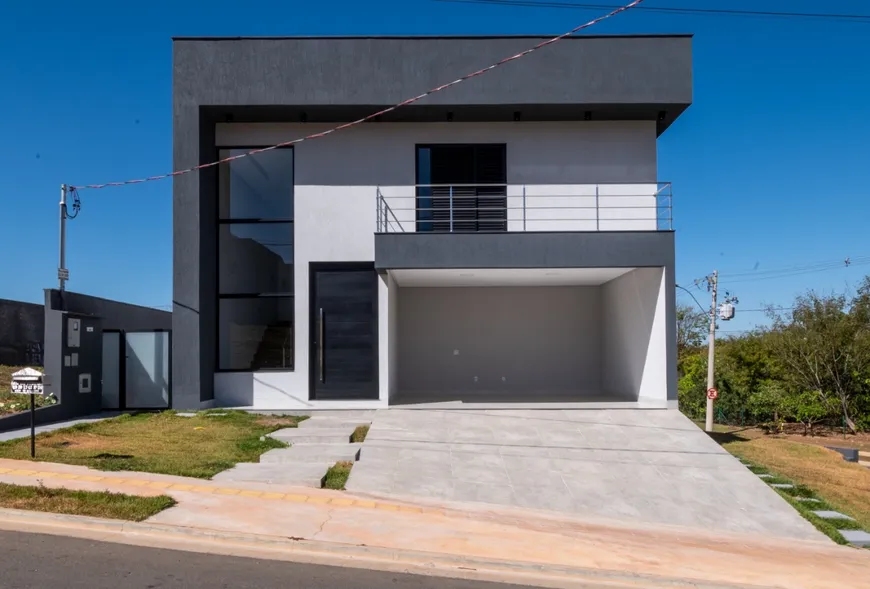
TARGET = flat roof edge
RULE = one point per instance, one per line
(428, 37)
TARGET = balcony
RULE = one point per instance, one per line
(466, 208)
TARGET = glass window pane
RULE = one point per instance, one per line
(255, 333)
(257, 186)
(255, 258)
(147, 375)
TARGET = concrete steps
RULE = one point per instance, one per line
(305, 474)
(314, 435)
(316, 444)
(366, 415)
(331, 423)
(330, 453)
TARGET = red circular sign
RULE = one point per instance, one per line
(712, 393)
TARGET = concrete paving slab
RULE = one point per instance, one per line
(294, 435)
(306, 474)
(856, 537)
(828, 514)
(651, 466)
(50, 427)
(311, 453)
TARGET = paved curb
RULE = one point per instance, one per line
(335, 554)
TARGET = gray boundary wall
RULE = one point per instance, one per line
(112, 314)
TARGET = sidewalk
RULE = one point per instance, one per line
(468, 531)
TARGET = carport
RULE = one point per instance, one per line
(527, 336)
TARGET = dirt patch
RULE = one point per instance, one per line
(80, 442)
(278, 421)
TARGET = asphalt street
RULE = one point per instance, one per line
(43, 561)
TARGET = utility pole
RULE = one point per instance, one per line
(725, 312)
(62, 272)
(713, 282)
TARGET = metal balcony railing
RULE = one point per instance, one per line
(452, 208)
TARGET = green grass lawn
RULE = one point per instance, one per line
(94, 504)
(199, 446)
(336, 476)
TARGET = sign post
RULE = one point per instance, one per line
(29, 382)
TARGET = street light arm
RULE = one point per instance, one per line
(693, 297)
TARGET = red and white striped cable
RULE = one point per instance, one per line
(373, 115)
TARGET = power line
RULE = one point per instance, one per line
(792, 274)
(865, 18)
(823, 265)
(615, 10)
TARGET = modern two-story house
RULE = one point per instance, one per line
(505, 242)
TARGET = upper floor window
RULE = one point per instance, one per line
(255, 261)
(256, 187)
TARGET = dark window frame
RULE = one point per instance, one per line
(251, 295)
(419, 222)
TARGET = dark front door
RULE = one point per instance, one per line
(344, 330)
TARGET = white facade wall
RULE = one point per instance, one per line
(635, 337)
(337, 178)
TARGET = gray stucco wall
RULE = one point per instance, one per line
(107, 314)
(113, 314)
(335, 71)
(595, 249)
(529, 340)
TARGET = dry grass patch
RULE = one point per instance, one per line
(199, 446)
(845, 486)
(90, 503)
(359, 434)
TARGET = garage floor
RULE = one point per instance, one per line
(641, 465)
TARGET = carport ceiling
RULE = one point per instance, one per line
(507, 277)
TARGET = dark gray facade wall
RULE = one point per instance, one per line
(113, 314)
(22, 326)
(372, 71)
(577, 249)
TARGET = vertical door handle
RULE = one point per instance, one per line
(321, 346)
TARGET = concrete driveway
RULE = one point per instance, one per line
(652, 466)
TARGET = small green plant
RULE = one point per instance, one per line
(336, 476)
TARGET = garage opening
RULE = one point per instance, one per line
(527, 336)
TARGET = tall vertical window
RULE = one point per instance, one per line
(255, 261)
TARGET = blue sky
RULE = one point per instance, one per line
(770, 164)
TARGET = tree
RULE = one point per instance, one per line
(692, 328)
(824, 347)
